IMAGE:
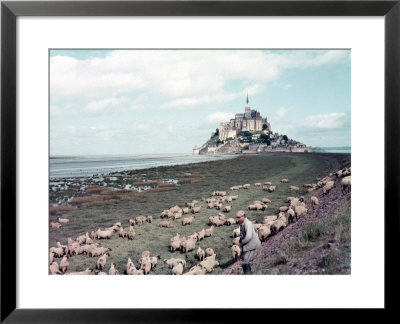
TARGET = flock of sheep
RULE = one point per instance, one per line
(294, 208)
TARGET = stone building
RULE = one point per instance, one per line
(251, 120)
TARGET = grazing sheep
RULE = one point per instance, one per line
(236, 252)
(236, 232)
(227, 209)
(209, 252)
(99, 273)
(314, 201)
(153, 261)
(257, 184)
(272, 188)
(185, 210)
(175, 245)
(188, 245)
(234, 197)
(101, 262)
(230, 221)
(55, 225)
(174, 261)
(178, 269)
(164, 224)
(133, 271)
(104, 234)
(196, 209)
(308, 185)
(200, 253)
(265, 201)
(209, 231)
(131, 233)
(98, 251)
(201, 234)
(300, 211)
(327, 187)
(80, 273)
(58, 251)
(63, 220)
(122, 232)
(346, 184)
(278, 225)
(113, 271)
(149, 219)
(177, 215)
(257, 226)
(209, 263)
(129, 265)
(268, 183)
(187, 220)
(246, 186)
(145, 265)
(284, 180)
(54, 269)
(236, 240)
(290, 215)
(294, 188)
(64, 264)
(196, 270)
(283, 208)
(51, 258)
(263, 233)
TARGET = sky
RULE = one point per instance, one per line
(168, 101)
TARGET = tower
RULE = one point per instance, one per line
(247, 111)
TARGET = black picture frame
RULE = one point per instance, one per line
(10, 10)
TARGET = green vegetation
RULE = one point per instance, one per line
(204, 178)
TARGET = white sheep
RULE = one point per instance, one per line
(187, 220)
(80, 273)
(285, 180)
(196, 270)
(283, 208)
(55, 225)
(346, 184)
(236, 232)
(201, 234)
(290, 215)
(227, 209)
(178, 269)
(236, 252)
(112, 270)
(265, 201)
(263, 232)
(300, 211)
(174, 261)
(209, 231)
(54, 269)
(294, 188)
(101, 262)
(131, 233)
(209, 263)
(200, 253)
(63, 220)
(64, 264)
(272, 188)
(327, 187)
(164, 224)
(209, 252)
(314, 201)
(188, 245)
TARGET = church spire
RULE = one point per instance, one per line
(247, 100)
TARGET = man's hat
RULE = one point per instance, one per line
(240, 213)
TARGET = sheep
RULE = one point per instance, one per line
(314, 201)
(230, 221)
(209, 231)
(187, 220)
(88, 239)
(200, 253)
(209, 252)
(236, 240)
(178, 269)
(101, 262)
(129, 265)
(257, 184)
(113, 271)
(131, 233)
(227, 209)
(54, 269)
(268, 183)
(122, 232)
(290, 215)
(149, 219)
(196, 209)
(272, 188)
(164, 224)
(300, 211)
(327, 187)
(234, 197)
(64, 264)
(57, 251)
(51, 258)
(236, 252)
(175, 245)
(104, 234)
(185, 210)
(153, 261)
(209, 263)
(257, 226)
(188, 245)
(63, 220)
(265, 201)
(145, 266)
(346, 184)
(86, 272)
(283, 208)
(174, 261)
(236, 232)
(308, 185)
(196, 270)
(55, 225)
(139, 220)
(294, 188)
(284, 180)
(263, 233)
(278, 225)
(246, 186)
(98, 251)
(100, 273)
(201, 234)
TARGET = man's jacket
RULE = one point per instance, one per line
(248, 236)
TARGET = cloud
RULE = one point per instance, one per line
(281, 113)
(324, 121)
(218, 117)
(106, 104)
(289, 85)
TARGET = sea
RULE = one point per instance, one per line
(87, 166)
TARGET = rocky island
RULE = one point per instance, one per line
(246, 134)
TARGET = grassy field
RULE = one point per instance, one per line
(195, 181)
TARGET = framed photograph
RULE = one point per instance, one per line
(151, 140)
